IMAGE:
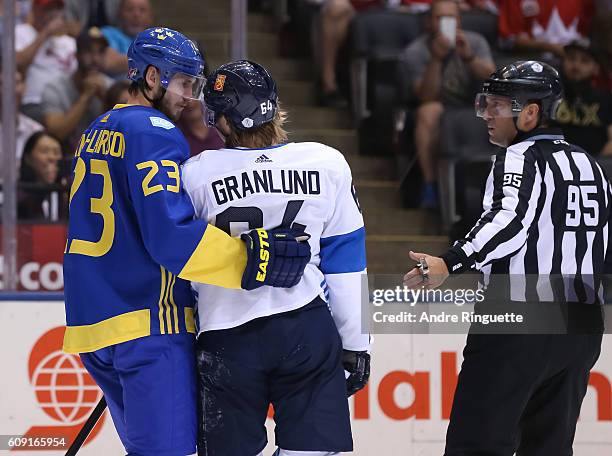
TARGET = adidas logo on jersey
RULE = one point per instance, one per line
(263, 159)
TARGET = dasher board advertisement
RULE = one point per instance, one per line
(404, 410)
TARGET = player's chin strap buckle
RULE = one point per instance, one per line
(424, 269)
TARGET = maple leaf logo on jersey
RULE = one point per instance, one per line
(263, 159)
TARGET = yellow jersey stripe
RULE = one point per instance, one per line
(189, 320)
(115, 330)
(219, 259)
(168, 311)
(176, 324)
(161, 297)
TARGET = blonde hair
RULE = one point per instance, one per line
(268, 134)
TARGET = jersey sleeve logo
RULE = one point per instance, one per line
(161, 123)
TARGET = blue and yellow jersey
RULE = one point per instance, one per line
(132, 237)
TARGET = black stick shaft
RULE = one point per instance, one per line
(87, 427)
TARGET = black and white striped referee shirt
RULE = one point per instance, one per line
(546, 212)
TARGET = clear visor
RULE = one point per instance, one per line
(209, 115)
(187, 86)
(494, 106)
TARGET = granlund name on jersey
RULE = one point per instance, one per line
(304, 185)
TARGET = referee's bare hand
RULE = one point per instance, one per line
(438, 272)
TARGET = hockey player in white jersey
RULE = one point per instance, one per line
(277, 346)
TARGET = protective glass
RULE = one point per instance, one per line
(494, 106)
(187, 86)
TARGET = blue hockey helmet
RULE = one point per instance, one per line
(171, 53)
(244, 92)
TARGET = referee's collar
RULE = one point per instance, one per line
(550, 133)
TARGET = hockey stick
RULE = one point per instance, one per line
(87, 427)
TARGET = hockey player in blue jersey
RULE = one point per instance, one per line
(133, 245)
(277, 346)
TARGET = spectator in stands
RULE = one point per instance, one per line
(444, 75)
(336, 16)
(71, 102)
(420, 6)
(601, 33)
(116, 94)
(22, 11)
(92, 13)
(585, 114)
(26, 127)
(134, 17)
(39, 196)
(43, 51)
(543, 25)
(198, 134)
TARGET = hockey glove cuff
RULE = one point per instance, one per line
(357, 364)
(275, 257)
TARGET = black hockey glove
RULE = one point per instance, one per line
(275, 257)
(357, 364)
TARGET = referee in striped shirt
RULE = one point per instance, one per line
(546, 213)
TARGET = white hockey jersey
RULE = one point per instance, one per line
(307, 184)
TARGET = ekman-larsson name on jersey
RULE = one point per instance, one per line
(289, 181)
(103, 142)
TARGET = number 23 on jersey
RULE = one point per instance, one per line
(103, 204)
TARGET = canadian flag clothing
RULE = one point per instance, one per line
(555, 21)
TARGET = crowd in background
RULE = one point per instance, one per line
(443, 73)
(71, 66)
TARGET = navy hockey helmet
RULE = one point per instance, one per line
(523, 82)
(244, 92)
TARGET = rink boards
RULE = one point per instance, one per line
(404, 411)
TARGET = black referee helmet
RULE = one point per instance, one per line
(524, 82)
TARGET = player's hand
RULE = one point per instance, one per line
(357, 364)
(437, 274)
(275, 257)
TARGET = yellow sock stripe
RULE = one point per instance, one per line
(161, 298)
(176, 324)
(167, 305)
